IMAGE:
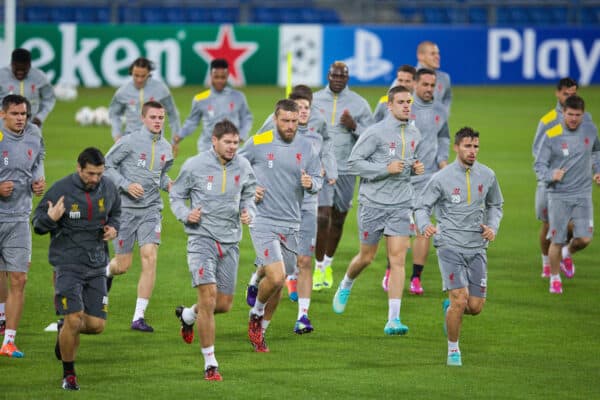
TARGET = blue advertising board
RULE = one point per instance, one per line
(471, 55)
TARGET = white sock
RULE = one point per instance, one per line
(140, 308)
(2, 315)
(319, 265)
(453, 347)
(209, 357)
(9, 336)
(292, 277)
(394, 308)
(303, 305)
(108, 274)
(565, 252)
(327, 261)
(545, 260)
(346, 283)
(264, 325)
(188, 315)
(555, 278)
(253, 279)
(259, 308)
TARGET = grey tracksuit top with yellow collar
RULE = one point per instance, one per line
(278, 167)
(331, 106)
(144, 158)
(464, 199)
(221, 191)
(379, 145)
(128, 101)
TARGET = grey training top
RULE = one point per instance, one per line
(550, 119)
(332, 106)
(432, 121)
(221, 191)
(380, 144)
(278, 167)
(575, 151)
(35, 87)
(211, 107)
(128, 101)
(22, 162)
(144, 158)
(464, 199)
(443, 90)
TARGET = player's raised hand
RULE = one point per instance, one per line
(245, 217)
(419, 167)
(194, 216)
(305, 180)
(56, 211)
(135, 190)
(6, 188)
(347, 120)
(259, 194)
(395, 167)
(38, 186)
(487, 233)
(429, 231)
(110, 233)
(558, 174)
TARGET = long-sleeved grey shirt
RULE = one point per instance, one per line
(144, 158)
(331, 106)
(22, 162)
(316, 131)
(128, 101)
(464, 199)
(443, 90)
(380, 144)
(35, 87)
(211, 107)
(432, 121)
(278, 168)
(575, 151)
(76, 239)
(550, 119)
(221, 191)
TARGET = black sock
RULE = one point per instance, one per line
(68, 368)
(417, 269)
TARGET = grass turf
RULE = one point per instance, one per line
(526, 344)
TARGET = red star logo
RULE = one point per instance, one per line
(228, 48)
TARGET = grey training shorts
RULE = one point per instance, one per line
(143, 229)
(541, 202)
(308, 229)
(461, 270)
(373, 223)
(275, 243)
(15, 246)
(561, 211)
(211, 262)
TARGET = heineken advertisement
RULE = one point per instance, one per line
(97, 55)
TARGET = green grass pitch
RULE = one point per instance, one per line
(527, 344)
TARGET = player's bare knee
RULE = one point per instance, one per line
(18, 281)
(304, 263)
(584, 241)
(223, 305)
